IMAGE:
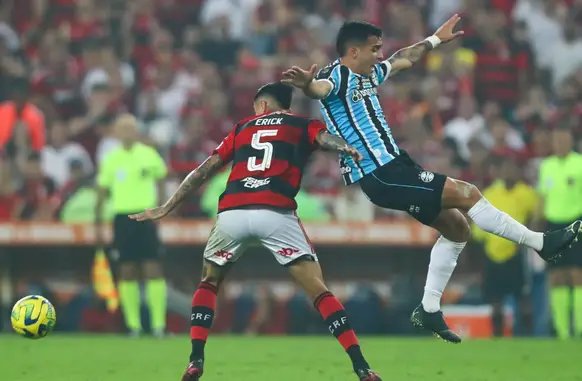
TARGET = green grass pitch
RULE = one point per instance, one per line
(116, 358)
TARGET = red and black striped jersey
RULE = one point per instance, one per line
(268, 154)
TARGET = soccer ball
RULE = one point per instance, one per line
(33, 317)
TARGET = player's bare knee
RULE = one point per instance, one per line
(468, 192)
(460, 230)
(453, 225)
(460, 194)
(464, 229)
(213, 274)
(307, 274)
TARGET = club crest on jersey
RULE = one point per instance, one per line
(325, 71)
(426, 176)
(251, 182)
(358, 95)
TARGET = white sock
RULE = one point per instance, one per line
(443, 259)
(494, 221)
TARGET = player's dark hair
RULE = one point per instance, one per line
(280, 92)
(354, 32)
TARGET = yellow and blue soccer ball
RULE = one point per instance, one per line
(33, 317)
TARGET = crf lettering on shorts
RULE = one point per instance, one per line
(251, 182)
(200, 317)
(287, 251)
(337, 324)
(269, 121)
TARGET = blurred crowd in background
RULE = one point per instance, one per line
(189, 68)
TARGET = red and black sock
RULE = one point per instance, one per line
(203, 306)
(335, 317)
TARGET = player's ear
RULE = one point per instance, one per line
(354, 51)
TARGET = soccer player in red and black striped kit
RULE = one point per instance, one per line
(268, 154)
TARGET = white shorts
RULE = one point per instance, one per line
(235, 230)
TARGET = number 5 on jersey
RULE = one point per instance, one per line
(257, 144)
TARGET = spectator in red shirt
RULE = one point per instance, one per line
(502, 67)
(22, 126)
(83, 26)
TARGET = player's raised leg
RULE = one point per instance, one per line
(466, 197)
(284, 236)
(455, 232)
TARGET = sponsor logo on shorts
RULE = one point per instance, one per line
(427, 176)
(287, 251)
(251, 182)
(414, 209)
(223, 254)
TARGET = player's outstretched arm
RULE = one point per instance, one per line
(304, 80)
(193, 181)
(334, 143)
(405, 58)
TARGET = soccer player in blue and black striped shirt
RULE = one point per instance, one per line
(347, 91)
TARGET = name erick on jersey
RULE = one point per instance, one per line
(268, 154)
(352, 111)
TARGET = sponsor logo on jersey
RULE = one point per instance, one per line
(358, 95)
(427, 176)
(251, 182)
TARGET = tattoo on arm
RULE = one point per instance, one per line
(413, 53)
(195, 180)
(330, 142)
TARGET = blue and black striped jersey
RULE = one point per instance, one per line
(352, 111)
